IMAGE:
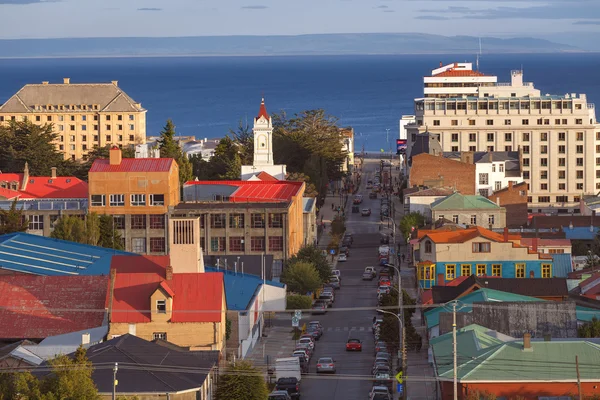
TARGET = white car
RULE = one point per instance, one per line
(337, 273)
(342, 257)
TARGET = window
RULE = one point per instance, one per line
(236, 220)
(544, 149)
(481, 269)
(561, 149)
(525, 122)
(497, 185)
(544, 162)
(440, 217)
(454, 122)
(108, 117)
(562, 199)
(138, 245)
(489, 122)
(561, 162)
(519, 270)
(543, 186)
(561, 136)
(472, 148)
(526, 136)
(131, 128)
(157, 221)
(490, 148)
(138, 200)
(119, 221)
(472, 137)
(490, 137)
(507, 148)
(507, 122)
(157, 199)
(217, 220)
(107, 127)
(236, 243)
(157, 245)
(98, 200)
(119, 118)
(483, 192)
(473, 219)
(119, 127)
(36, 222)
(579, 161)
(455, 219)
(491, 220)
(84, 127)
(108, 138)
(579, 136)
(579, 186)
(138, 221)
(578, 121)
(500, 167)
(275, 220)
(465, 270)
(579, 149)
(543, 174)
(161, 306)
(450, 271)
(217, 244)
(131, 117)
(481, 247)
(562, 186)
(526, 162)
(72, 117)
(455, 137)
(84, 117)
(496, 269)
(436, 122)
(275, 243)
(544, 137)
(257, 243)
(257, 220)
(579, 175)
(159, 335)
(483, 179)
(117, 200)
(428, 247)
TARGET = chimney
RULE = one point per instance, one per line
(498, 201)
(85, 338)
(510, 184)
(116, 83)
(169, 273)
(25, 176)
(53, 175)
(571, 225)
(186, 253)
(527, 342)
(535, 244)
(505, 234)
(441, 281)
(66, 81)
(115, 156)
(45, 82)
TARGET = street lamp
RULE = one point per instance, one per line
(401, 342)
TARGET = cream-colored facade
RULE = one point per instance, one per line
(559, 136)
(83, 115)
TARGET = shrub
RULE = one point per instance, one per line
(298, 302)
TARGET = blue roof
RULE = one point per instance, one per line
(240, 288)
(586, 313)
(562, 265)
(580, 232)
(41, 255)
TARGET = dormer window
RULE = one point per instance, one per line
(161, 306)
(428, 247)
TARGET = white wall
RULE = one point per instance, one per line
(493, 176)
(422, 204)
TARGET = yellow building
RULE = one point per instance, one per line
(137, 192)
(84, 115)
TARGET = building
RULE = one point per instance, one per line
(263, 148)
(550, 246)
(589, 205)
(478, 251)
(347, 136)
(23, 253)
(507, 117)
(421, 200)
(84, 115)
(248, 298)
(513, 199)
(309, 220)
(506, 367)
(152, 371)
(469, 210)
(259, 265)
(35, 307)
(190, 146)
(440, 172)
(456, 80)
(246, 217)
(138, 193)
(16, 355)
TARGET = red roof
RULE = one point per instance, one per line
(258, 191)
(133, 165)
(459, 72)
(46, 187)
(197, 297)
(262, 111)
(265, 177)
(9, 194)
(35, 307)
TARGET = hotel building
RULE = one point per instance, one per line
(84, 115)
(558, 136)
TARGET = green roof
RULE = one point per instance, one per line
(484, 294)
(586, 314)
(457, 201)
(485, 355)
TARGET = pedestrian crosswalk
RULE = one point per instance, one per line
(346, 329)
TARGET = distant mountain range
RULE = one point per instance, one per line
(320, 44)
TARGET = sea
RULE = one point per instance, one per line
(208, 96)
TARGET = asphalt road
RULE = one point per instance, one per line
(353, 368)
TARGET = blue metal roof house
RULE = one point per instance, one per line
(39, 255)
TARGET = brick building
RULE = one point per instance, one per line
(514, 199)
(437, 171)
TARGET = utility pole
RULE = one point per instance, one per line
(115, 382)
(579, 394)
(454, 354)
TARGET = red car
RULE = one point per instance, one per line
(354, 345)
(385, 282)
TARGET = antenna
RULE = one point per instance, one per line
(479, 54)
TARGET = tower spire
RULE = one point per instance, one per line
(262, 112)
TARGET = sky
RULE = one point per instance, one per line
(162, 18)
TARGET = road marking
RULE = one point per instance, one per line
(329, 329)
(345, 328)
(362, 328)
(337, 329)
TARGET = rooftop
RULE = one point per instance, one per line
(39, 255)
(250, 191)
(262, 111)
(42, 306)
(44, 187)
(432, 192)
(133, 165)
(464, 235)
(457, 201)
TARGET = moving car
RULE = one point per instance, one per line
(353, 345)
(326, 364)
(355, 209)
(344, 250)
(357, 199)
(342, 257)
(383, 290)
(365, 212)
(371, 270)
(290, 385)
(367, 276)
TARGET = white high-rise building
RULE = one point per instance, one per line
(263, 148)
(559, 136)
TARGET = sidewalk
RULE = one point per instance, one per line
(278, 343)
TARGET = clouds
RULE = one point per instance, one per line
(255, 7)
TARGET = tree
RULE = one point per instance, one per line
(71, 377)
(312, 255)
(410, 220)
(19, 385)
(71, 228)
(301, 277)
(298, 302)
(95, 230)
(338, 226)
(590, 329)
(13, 220)
(226, 163)
(244, 137)
(109, 235)
(170, 148)
(241, 381)
(310, 189)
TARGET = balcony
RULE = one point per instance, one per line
(46, 205)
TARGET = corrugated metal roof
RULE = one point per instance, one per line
(133, 165)
(459, 201)
(46, 187)
(580, 233)
(258, 191)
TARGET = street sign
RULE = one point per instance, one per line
(399, 377)
(298, 314)
(332, 252)
(399, 388)
(295, 322)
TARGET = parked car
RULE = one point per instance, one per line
(342, 257)
(365, 212)
(279, 395)
(337, 273)
(290, 385)
(328, 298)
(334, 281)
(304, 364)
(353, 345)
(380, 346)
(379, 390)
(349, 237)
(319, 307)
(307, 339)
(326, 364)
(344, 250)
(380, 368)
(367, 276)
(301, 353)
(372, 195)
(314, 331)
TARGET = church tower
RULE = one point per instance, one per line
(263, 137)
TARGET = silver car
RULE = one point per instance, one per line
(326, 364)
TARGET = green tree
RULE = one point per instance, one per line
(312, 255)
(201, 168)
(338, 226)
(109, 235)
(70, 227)
(13, 220)
(310, 189)
(590, 329)
(301, 277)
(226, 163)
(241, 381)
(19, 385)
(298, 302)
(170, 148)
(71, 377)
(95, 230)
(410, 220)
(244, 137)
